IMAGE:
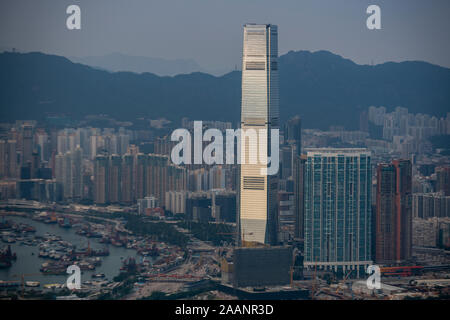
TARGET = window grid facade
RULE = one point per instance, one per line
(338, 209)
(259, 111)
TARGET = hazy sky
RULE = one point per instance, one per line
(210, 31)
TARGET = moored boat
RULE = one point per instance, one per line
(32, 284)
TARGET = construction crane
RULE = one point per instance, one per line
(200, 261)
(343, 281)
(313, 289)
(244, 243)
(294, 255)
(22, 280)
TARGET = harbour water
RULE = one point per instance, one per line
(28, 261)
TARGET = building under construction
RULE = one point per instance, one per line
(259, 267)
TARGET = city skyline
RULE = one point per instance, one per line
(304, 176)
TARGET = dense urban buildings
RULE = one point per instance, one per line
(430, 205)
(259, 110)
(286, 216)
(151, 174)
(216, 205)
(346, 196)
(433, 233)
(443, 180)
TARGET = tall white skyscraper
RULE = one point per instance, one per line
(259, 111)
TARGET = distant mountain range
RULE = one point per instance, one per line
(324, 88)
(119, 62)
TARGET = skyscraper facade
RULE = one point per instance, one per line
(27, 143)
(124, 179)
(337, 209)
(293, 134)
(299, 196)
(3, 159)
(77, 173)
(127, 179)
(393, 212)
(101, 179)
(115, 176)
(69, 173)
(259, 110)
(443, 180)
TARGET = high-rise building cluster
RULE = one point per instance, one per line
(94, 141)
(402, 123)
(214, 205)
(431, 205)
(345, 197)
(325, 194)
(86, 164)
(124, 179)
(69, 173)
(215, 177)
(431, 233)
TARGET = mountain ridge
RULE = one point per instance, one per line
(311, 84)
(116, 62)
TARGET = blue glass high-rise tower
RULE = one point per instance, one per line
(338, 209)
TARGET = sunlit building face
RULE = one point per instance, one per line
(259, 110)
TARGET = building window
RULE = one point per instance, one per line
(255, 65)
